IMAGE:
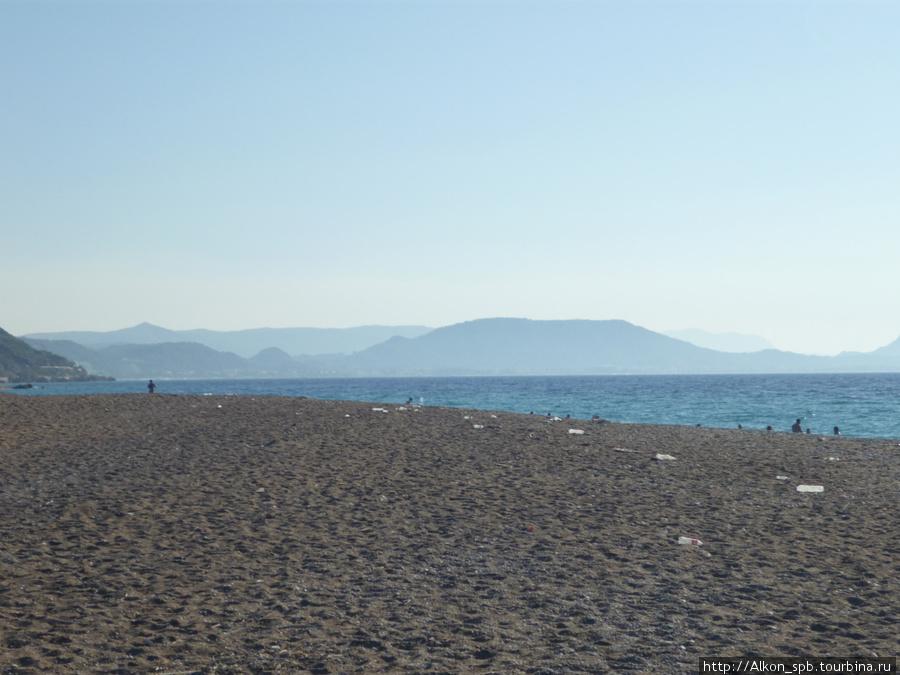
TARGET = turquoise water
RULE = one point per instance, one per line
(865, 405)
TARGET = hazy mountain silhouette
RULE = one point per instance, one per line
(246, 343)
(142, 334)
(20, 362)
(722, 342)
(169, 359)
(891, 351)
(526, 347)
(481, 347)
(883, 359)
(275, 362)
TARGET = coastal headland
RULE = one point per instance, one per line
(236, 534)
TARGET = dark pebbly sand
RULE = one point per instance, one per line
(180, 534)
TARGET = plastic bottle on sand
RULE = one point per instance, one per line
(687, 541)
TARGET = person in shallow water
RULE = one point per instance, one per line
(151, 387)
(797, 428)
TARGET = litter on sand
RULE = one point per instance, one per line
(661, 458)
(810, 488)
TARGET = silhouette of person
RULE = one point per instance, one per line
(151, 387)
(837, 431)
(797, 428)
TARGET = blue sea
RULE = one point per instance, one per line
(863, 405)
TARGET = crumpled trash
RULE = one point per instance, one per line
(689, 541)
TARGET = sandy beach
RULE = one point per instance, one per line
(209, 534)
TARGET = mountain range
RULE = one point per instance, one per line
(500, 346)
(20, 362)
(246, 343)
(722, 342)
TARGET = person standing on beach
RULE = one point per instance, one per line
(151, 387)
(797, 428)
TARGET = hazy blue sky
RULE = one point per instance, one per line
(723, 165)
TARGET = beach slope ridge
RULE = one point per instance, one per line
(236, 534)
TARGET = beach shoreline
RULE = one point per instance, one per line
(251, 534)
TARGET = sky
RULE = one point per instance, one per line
(725, 165)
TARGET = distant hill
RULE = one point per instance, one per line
(884, 359)
(891, 351)
(246, 343)
(722, 342)
(173, 359)
(526, 347)
(275, 362)
(521, 346)
(167, 360)
(482, 347)
(84, 356)
(19, 363)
